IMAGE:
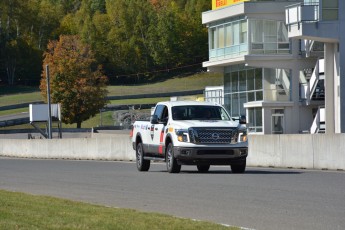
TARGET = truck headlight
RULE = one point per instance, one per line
(182, 135)
(240, 135)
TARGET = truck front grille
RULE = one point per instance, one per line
(212, 135)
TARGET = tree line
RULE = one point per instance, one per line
(128, 38)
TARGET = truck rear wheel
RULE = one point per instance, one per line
(171, 161)
(238, 167)
(142, 164)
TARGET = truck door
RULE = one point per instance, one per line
(158, 132)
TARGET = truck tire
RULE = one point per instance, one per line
(171, 161)
(238, 167)
(142, 164)
(203, 168)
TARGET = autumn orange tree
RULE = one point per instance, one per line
(75, 81)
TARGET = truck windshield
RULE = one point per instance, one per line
(199, 112)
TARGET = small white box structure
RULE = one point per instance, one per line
(215, 94)
(39, 112)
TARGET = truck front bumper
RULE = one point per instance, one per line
(210, 155)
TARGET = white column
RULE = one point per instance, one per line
(329, 88)
(294, 122)
(341, 66)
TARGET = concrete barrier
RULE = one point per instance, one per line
(112, 147)
(317, 151)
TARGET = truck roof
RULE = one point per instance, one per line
(181, 103)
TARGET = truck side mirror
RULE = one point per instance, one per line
(154, 119)
(243, 120)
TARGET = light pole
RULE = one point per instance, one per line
(49, 105)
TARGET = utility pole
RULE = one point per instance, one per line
(49, 105)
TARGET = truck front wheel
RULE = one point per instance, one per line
(238, 167)
(171, 161)
(142, 164)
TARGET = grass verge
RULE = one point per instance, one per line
(176, 84)
(17, 95)
(23, 211)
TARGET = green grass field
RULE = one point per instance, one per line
(23, 211)
(17, 95)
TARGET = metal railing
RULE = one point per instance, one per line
(298, 13)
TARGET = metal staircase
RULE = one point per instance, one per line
(313, 88)
(319, 123)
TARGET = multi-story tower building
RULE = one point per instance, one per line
(316, 21)
(266, 72)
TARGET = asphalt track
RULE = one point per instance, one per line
(259, 199)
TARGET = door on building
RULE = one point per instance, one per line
(278, 124)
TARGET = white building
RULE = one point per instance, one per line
(322, 21)
(269, 69)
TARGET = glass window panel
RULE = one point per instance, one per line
(284, 46)
(277, 124)
(227, 103)
(270, 78)
(251, 96)
(257, 30)
(311, 2)
(270, 28)
(213, 38)
(258, 79)
(330, 14)
(330, 4)
(229, 39)
(272, 39)
(258, 116)
(236, 33)
(250, 79)
(243, 38)
(255, 119)
(235, 105)
(234, 82)
(227, 83)
(242, 81)
(251, 116)
(282, 33)
(259, 96)
(221, 37)
(243, 99)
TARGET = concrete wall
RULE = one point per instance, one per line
(317, 151)
(107, 147)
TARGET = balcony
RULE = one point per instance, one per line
(301, 13)
(304, 21)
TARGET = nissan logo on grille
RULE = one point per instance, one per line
(215, 136)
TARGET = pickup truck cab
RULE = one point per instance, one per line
(190, 133)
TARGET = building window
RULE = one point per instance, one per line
(278, 124)
(245, 84)
(242, 85)
(221, 37)
(213, 40)
(330, 10)
(229, 39)
(255, 120)
(268, 37)
(276, 85)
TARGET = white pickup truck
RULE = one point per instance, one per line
(190, 133)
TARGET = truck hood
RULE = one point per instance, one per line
(203, 123)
